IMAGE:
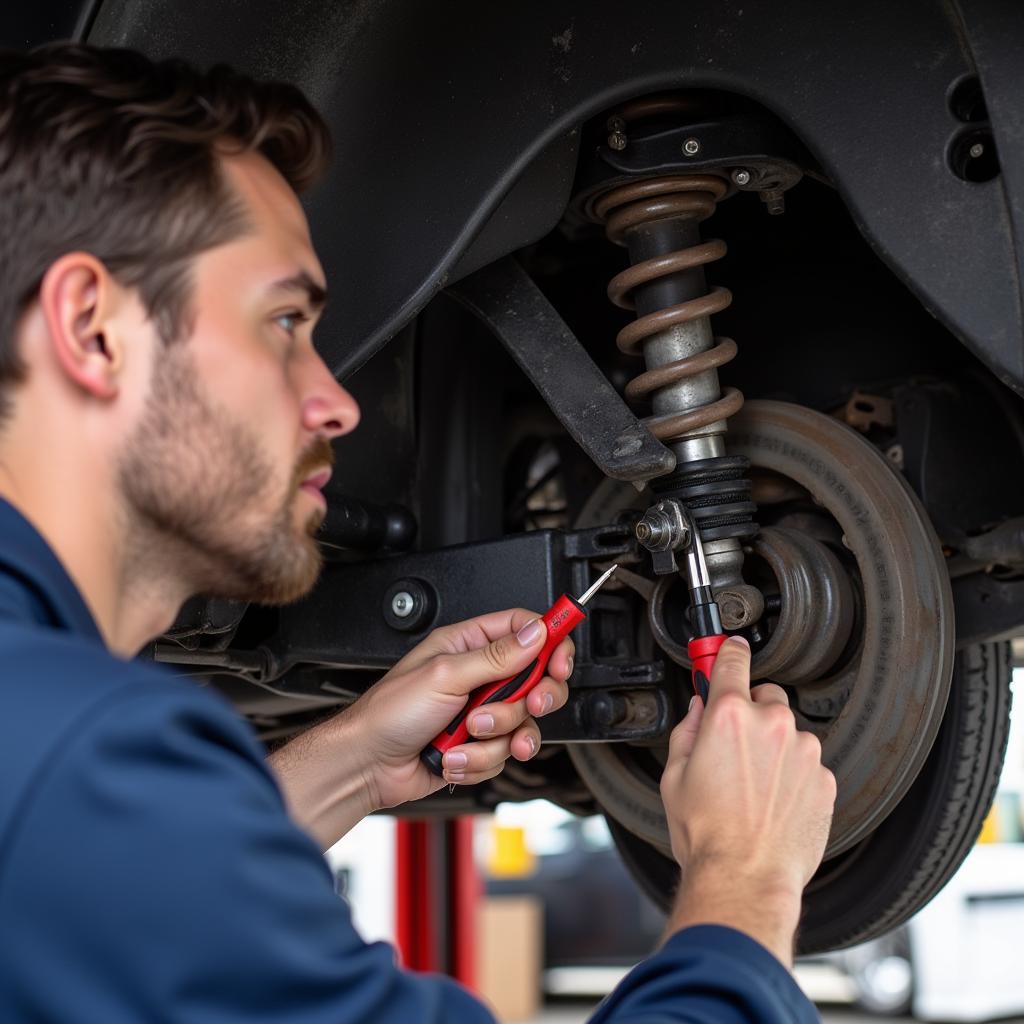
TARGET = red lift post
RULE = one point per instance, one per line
(437, 892)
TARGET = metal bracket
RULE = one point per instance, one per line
(504, 297)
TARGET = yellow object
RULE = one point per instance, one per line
(510, 857)
(990, 826)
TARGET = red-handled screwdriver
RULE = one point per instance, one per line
(561, 618)
(705, 618)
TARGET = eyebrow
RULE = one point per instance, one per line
(316, 294)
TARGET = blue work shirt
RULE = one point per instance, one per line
(149, 871)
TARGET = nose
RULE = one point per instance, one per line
(327, 408)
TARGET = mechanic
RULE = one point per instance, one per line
(166, 428)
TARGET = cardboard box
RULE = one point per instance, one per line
(509, 955)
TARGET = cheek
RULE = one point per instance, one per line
(253, 384)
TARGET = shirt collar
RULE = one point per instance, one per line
(31, 565)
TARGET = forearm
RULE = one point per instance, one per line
(767, 912)
(324, 778)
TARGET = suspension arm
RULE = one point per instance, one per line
(504, 297)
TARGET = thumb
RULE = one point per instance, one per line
(501, 658)
(731, 673)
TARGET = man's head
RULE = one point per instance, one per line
(158, 294)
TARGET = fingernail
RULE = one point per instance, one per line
(693, 700)
(456, 759)
(482, 723)
(741, 640)
(571, 663)
(455, 776)
(529, 634)
(533, 745)
(547, 704)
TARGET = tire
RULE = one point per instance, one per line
(887, 877)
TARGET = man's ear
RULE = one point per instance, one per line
(76, 298)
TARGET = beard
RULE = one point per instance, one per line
(201, 499)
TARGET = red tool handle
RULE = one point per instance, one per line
(702, 651)
(560, 618)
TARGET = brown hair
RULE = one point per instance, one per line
(108, 152)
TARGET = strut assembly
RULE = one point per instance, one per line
(657, 219)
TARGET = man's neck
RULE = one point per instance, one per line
(77, 514)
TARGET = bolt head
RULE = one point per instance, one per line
(976, 150)
(691, 147)
(741, 177)
(617, 141)
(402, 604)
(643, 531)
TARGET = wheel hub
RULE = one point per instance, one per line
(876, 600)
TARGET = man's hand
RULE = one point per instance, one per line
(749, 806)
(368, 757)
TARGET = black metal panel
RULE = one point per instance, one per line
(24, 25)
(438, 109)
(343, 623)
(987, 608)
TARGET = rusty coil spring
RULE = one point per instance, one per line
(630, 206)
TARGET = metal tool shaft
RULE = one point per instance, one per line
(591, 591)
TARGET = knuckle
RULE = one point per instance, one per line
(810, 745)
(439, 672)
(770, 693)
(497, 654)
(729, 707)
(779, 718)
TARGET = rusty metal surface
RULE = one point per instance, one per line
(817, 607)
(899, 680)
(635, 206)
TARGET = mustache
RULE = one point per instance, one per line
(318, 455)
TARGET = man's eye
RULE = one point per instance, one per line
(290, 321)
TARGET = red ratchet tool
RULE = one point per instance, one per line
(561, 618)
(705, 617)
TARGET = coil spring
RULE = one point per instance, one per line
(630, 206)
(715, 489)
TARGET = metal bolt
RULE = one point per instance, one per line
(740, 604)
(402, 604)
(774, 200)
(976, 150)
(663, 527)
(617, 141)
(691, 147)
(741, 177)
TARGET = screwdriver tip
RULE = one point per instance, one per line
(602, 579)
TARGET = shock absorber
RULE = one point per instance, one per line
(658, 221)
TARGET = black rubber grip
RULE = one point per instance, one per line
(432, 758)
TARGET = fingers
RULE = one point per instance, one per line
(475, 762)
(769, 693)
(460, 674)
(500, 719)
(731, 674)
(460, 637)
(684, 735)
